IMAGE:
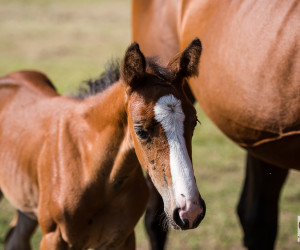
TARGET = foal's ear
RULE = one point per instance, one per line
(185, 64)
(134, 65)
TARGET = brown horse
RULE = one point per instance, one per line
(73, 166)
(248, 84)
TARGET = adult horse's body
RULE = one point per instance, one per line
(73, 166)
(248, 84)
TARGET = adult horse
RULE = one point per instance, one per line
(73, 166)
(248, 84)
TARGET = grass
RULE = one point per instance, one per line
(71, 41)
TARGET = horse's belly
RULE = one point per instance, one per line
(259, 129)
(259, 112)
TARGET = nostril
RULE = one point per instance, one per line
(182, 223)
(185, 224)
(189, 214)
(176, 216)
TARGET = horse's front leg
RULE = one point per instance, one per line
(154, 218)
(258, 206)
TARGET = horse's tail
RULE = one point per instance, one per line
(105, 80)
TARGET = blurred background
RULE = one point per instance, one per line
(70, 41)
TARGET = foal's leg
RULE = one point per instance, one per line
(154, 217)
(258, 206)
(18, 237)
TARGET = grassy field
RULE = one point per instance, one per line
(70, 40)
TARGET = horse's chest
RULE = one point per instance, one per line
(102, 228)
(107, 221)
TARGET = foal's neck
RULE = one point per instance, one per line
(112, 148)
(107, 108)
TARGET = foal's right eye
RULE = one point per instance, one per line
(141, 132)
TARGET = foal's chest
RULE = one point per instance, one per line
(108, 221)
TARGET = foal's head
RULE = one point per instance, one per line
(161, 121)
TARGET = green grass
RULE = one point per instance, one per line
(71, 41)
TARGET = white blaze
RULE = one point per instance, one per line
(168, 112)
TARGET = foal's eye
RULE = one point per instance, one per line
(141, 132)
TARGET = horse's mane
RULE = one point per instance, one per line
(110, 75)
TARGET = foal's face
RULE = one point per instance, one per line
(162, 132)
(161, 122)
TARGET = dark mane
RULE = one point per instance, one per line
(111, 75)
(105, 80)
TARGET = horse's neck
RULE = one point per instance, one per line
(125, 164)
(108, 144)
(106, 108)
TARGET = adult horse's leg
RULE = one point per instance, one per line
(258, 206)
(154, 217)
(18, 237)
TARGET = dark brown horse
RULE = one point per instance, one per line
(248, 84)
(73, 166)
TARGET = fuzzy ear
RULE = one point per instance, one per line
(185, 64)
(134, 65)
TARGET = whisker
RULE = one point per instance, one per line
(164, 221)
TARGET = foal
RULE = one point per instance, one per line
(73, 166)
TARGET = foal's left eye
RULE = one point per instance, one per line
(141, 132)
